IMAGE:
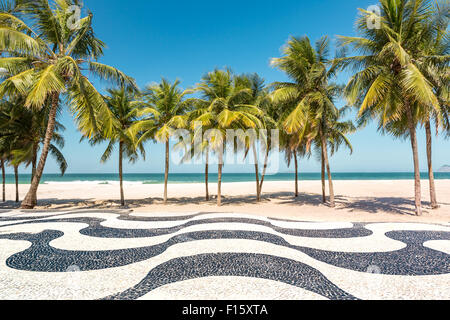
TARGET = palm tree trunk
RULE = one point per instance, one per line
(16, 176)
(324, 196)
(434, 204)
(296, 174)
(258, 191)
(122, 197)
(330, 180)
(219, 180)
(413, 136)
(266, 159)
(207, 173)
(30, 200)
(166, 173)
(34, 161)
(3, 180)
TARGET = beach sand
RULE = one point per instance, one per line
(356, 201)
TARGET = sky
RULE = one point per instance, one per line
(150, 39)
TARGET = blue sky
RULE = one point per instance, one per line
(185, 39)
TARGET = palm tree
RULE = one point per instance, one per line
(433, 40)
(16, 176)
(5, 148)
(336, 135)
(125, 108)
(260, 98)
(2, 165)
(431, 57)
(293, 150)
(331, 131)
(23, 130)
(388, 82)
(199, 144)
(269, 118)
(224, 106)
(166, 111)
(45, 62)
(309, 100)
(16, 179)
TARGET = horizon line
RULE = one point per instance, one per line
(181, 173)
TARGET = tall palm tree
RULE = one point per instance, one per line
(294, 148)
(431, 56)
(3, 153)
(433, 42)
(7, 136)
(260, 98)
(200, 147)
(25, 130)
(16, 179)
(330, 132)
(125, 108)
(9, 160)
(336, 133)
(45, 61)
(309, 100)
(4, 150)
(388, 82)
(224, 105)
(166, 111)
(270, 118)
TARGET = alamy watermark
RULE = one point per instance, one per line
(74, 19)
(373, 18)
(72, 286)
(227, 147)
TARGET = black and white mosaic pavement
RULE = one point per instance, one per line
(111, 255)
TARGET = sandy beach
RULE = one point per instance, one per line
(357, 201)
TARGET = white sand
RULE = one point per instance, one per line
(371, 201)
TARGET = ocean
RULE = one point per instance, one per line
(157, 178)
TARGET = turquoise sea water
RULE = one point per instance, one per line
(156, 178)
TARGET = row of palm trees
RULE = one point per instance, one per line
(400, 78)
(22, 135)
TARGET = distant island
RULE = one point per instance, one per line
(445, 168)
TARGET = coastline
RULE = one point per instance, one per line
(183, 178)
(357, 200)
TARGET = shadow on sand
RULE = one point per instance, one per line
(400, 206)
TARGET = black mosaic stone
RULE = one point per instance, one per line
(42, 257)
(17, 218)
(95, 229)
(415, 259)
(236, 264)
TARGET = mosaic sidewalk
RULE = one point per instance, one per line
(108, 255)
